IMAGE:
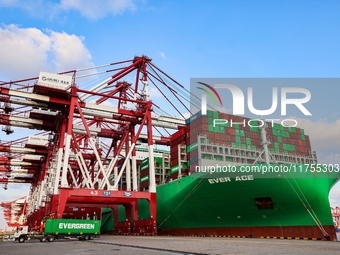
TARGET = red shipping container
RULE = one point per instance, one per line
(174, 176)
(144, 185)
(204, 120)
(144, 172)
(205, 127)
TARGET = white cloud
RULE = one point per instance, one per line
(69, 51)
(98, 9)
(323, 135)
(27, 51)
(162, 54)
(333, 158)
(8, 2)
(88, 8)
(153, 92)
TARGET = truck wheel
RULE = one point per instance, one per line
(50, 239)
(21, 239)
(86, 238)
(91, 237)
(43, 239)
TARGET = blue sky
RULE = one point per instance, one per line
(241, 39)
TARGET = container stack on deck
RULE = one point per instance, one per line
(178, 154)
(161, 164)
(237, 133)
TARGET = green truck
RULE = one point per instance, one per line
(59, 229)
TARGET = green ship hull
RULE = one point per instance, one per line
(248, 204)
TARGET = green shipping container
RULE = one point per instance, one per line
(207, 156)
(145, 162)
(218, 158)
(72, 227)
(229, 159)
(144, 179)
(174, 169)
(159, 160)
(145, 167)
(292, 129)
(192, 147)
(238, 139)
(277, 126)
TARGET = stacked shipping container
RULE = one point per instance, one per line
(145, 172)
(239, 132)
(178, 155)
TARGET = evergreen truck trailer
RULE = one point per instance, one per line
(60, 228)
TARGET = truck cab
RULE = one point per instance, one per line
(20, 234)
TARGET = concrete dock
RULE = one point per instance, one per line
(126, 245)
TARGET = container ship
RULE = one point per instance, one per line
(233, 179)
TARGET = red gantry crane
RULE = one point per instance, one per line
(14, 212)
(85, 153)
